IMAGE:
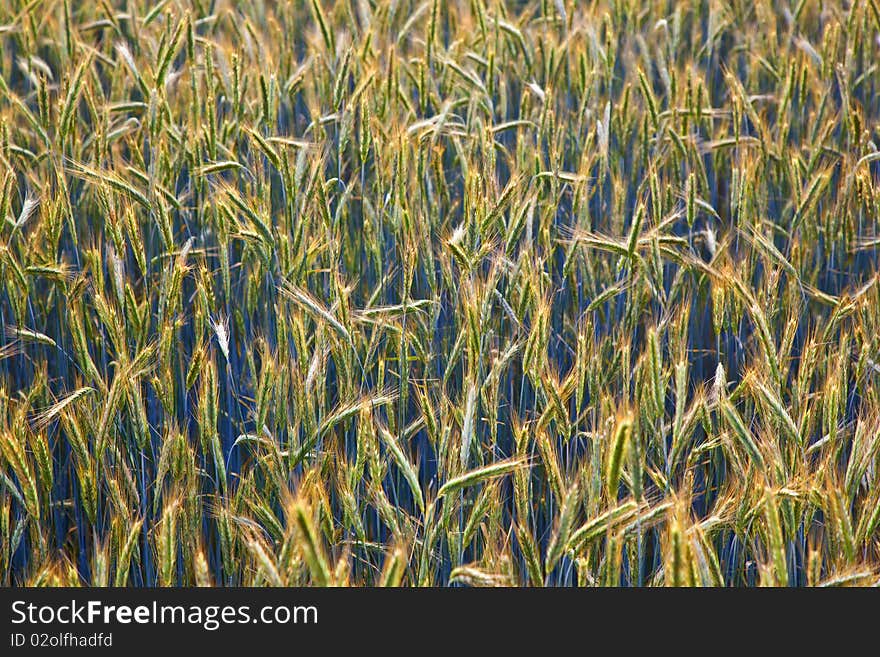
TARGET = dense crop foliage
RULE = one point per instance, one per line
(480, 292)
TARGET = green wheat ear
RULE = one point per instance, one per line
(471, 294)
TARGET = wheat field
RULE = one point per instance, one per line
(470, 293)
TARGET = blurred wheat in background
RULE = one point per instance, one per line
(389, 292)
